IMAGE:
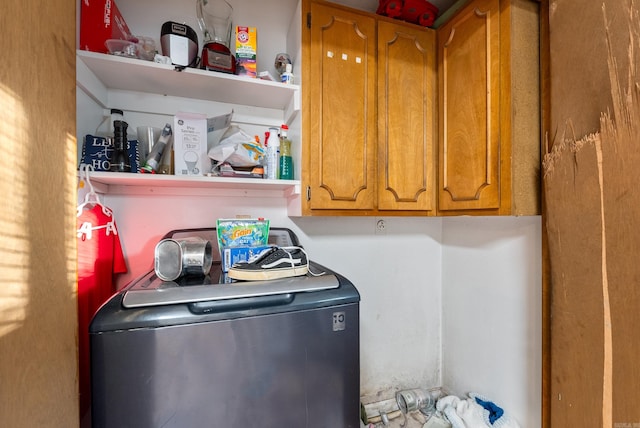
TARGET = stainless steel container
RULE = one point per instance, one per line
(415, 399)
(179, 257)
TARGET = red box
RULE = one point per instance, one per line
(100, 20)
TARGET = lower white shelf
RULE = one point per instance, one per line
(159, 184)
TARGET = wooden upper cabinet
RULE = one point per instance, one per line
(469, 79)
(489, 109)
(406, 117)
(375, 88)
(342, 91)
(368, 114)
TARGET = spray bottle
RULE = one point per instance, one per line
(273, 152)
(286, 161)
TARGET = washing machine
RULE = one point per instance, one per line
(210, 352)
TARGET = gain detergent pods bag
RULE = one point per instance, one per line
(242, 232)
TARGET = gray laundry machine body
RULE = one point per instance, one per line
(204, 352)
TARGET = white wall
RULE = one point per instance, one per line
(398, 276)
(491, 304)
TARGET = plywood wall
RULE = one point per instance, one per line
(590, 174)
(38, 363)
(579, 73)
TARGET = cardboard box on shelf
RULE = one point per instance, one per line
(100, 20)
(190, 144)
(232, 255)
(246, 51)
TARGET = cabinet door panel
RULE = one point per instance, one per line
(469, 105)
(406, 92)
(342, 109)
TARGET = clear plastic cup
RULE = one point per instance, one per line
(147, 137)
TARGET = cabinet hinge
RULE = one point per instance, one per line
(308, 19)
(308, 193)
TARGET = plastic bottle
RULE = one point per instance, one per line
(153, 160)
(263, 158)
(286, 161)
(120, 158)
(273, 152)
(287, 76)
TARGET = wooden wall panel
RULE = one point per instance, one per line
(580, 78)
(574, 227)
(38, 356)
(591, 208)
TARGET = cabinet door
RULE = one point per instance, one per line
(469, 143)
(342, 90)
(406, 93)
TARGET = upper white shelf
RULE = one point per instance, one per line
(137, 75)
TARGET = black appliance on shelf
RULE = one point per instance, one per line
(180, 43)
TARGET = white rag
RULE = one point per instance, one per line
(474, 412)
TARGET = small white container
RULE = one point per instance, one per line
(287, 76)
(273, 154)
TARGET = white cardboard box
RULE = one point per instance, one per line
(190, 144)
(232, 255)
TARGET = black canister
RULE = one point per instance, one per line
(120, 158)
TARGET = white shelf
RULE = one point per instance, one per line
(130, 74)
(99, 75)
(126, 183)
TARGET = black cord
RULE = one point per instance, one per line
(193, 64)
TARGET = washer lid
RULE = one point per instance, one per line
(151, 291)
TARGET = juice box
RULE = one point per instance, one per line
(246, 50)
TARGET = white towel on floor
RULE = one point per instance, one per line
(474, 412)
